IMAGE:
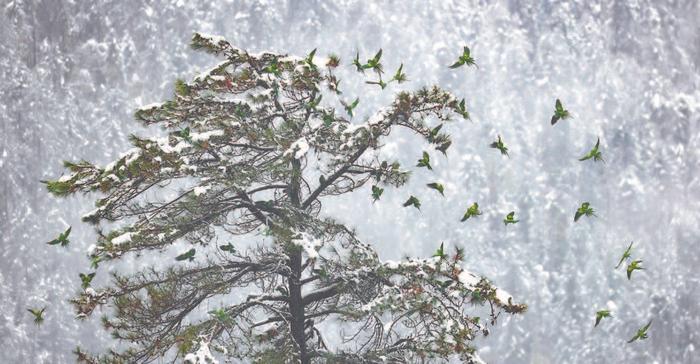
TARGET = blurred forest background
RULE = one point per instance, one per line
(72, 72)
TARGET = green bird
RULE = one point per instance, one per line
(559, 112)
(38, 314)
(376, 193)
(510, 219)
(437, 187)
(374, 64)
(444, 146)
(328, 118)
(472, 211)
(273, 68)
(95, 261)
(584, 210)
(433, 133)
(601, 315)
(440, 253)
(62, 238)
(465, 59)
(594, 153)
(350, 107)
(184, 134)
(498, 144)
(220, 314)
(462, 109)
(399, 76)
(634, 265)
(228, 248)
(641, 333)
(186, 256)
(412, 201)
(425, 161)
(309, 60)
(357, 64)
(627, 254)
(380, 83)
(314, 103)
(86, 279)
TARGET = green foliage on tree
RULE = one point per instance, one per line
(252, 147)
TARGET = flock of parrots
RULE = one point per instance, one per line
(465, 59)
(560, 113)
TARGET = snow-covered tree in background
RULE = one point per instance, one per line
(231, 198)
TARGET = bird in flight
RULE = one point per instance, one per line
(38, 314)
(437, 187)
(425, 161)
(62, 238)
(641, 333)
(559, 112)
(626, 255)
(472, 211)
(601, 315)
(412, 201)
(498, 144)
(464, 59)
(189, 255)
(594, 153)
(584, 210)
(510, 219)
(634, 265)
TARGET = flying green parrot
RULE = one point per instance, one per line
(440, 253)
(510, 219)
(376, 193)
(559, 112)
(627, 254)
(594, 153)
(462, 109)
(95, 261)
(464, 59)
(634, 265)
(425, 161)
(220, 314)
(498, 144)
(472, 211)
(38, 314)
(601, 315)
(62, 238)
(434, 133)
(444, 146)
(374, 64)
(437, 187)
(350, 107)
(641, 333)
(185, 134)
(399, 76)
(380, 83)
(189, 255)
(412, 201)
(357, 64)
(228, 248)
(309, 60)
(584, 210)
(313, 104)
(272, 68)
(86, 279)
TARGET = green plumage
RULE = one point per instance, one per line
(464, 59)
(472, 211)
(62, 238)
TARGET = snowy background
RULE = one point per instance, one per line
(72, 72)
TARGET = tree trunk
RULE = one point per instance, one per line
(296, 305)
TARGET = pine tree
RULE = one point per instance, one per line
(252, 148)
